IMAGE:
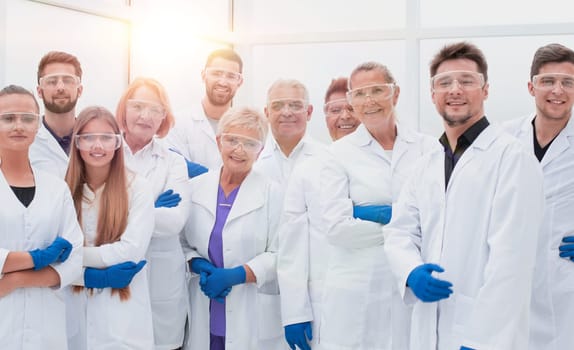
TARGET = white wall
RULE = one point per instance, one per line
(313, 41)
(101, 44)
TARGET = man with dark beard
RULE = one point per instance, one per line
(194, 137)
(59, 87)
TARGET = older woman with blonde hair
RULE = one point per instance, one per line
(145, 117)
(230, 240)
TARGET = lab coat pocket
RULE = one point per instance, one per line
(463, 310)
(269, 316)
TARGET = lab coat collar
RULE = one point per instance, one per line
(250, 196)
(200, 119)
(362, 137)
(562, 142)
(271, 146)
(154, 147)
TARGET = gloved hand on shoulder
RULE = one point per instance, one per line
(58, 251)
(115, 276)
(168, 199)
(298, 335)
(425, 286)
(375, 213)
(567, 250)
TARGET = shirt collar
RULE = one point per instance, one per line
(469, 136)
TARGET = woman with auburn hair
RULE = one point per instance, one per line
(110, 307)
(40, 239)
(144, 115)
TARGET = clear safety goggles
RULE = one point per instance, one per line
(107, 141)
(232, 141)
(336, 108)
(293, 105)
(549, 81)
(9, 120)
(53, 81)
(465, 80)
(376, 92)
(153, 110)
(218, 73)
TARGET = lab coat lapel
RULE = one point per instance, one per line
(404, 138)
(44, 134)
(250, 196)
(562, 143)
(482, 142)
(206, 192)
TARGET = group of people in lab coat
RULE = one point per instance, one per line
(240, 231)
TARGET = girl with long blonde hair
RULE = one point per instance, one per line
(110, 306)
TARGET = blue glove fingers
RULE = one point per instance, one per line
(295, 335)
(139, 266)
(198, 265)
(309, 331)
(65, 252)
(435, 282)
(433, 267)
(568, 239)
(165, 194)
(202, 278)
(465, 348)
(441, 293)
(195, 169)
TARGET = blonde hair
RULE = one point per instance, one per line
(169, 120)
(244, 117)
(114, 202)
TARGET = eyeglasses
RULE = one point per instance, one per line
(217, 73)
(466, 81)
(27, 120)
(53, 80)
(336, 108)
(232, 141)
(377, 92)
(549, 81)
(294, 105)
(154, 110)
(107, 141)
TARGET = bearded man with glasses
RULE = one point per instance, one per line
(462, 241)
(59, 87)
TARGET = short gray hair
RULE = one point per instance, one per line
(244, 117)
(293, 83)
(369, 66)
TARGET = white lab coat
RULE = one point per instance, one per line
(273, 163)
(35, 318)
(553, 294)
(166, 264)
(253, 319)
(99, 320)
(46, 154)
(483, 231)
(194, 138)
(362, 308)
(303, 250)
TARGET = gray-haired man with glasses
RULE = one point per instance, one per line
(462, 240)
(59, 87)
(194, 136)
(548, 133)
(288, 111)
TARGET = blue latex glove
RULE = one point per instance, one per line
(204, 268)
(375, 213)
(426, 287)
(221, 279)
(567, 250)
(193, 169)
(115, 276)
(58, 251)
(297, 335)
(465, 348)
(168, 199)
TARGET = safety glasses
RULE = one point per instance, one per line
(106, 141)
(9, 120)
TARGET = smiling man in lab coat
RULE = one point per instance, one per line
(549, 134)
(59, 87)
(462, 240)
